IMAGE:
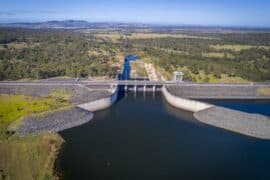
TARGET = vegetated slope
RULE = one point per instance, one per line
(26, 53)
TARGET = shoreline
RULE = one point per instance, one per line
(83, 102)
(50, 122)
(253, 125)
(90, 100)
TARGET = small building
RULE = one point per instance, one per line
(178, 76)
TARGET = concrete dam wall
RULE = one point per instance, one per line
(182, 103)
(102, 103)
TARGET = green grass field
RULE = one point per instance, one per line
(13, 107)
(29, 157)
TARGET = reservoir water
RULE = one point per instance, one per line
(142, 137)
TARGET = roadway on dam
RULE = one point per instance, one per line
(185, 89)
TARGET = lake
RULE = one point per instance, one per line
(142, 137)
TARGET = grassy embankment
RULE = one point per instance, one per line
(29, 157)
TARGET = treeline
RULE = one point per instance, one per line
(252, 63)
(38, 54)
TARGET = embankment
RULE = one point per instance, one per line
(54, 122)
(102, 103)
(253, 125)
(19, 150)
(79, 94)
(84, 102)
(220, 91)
(182, 103)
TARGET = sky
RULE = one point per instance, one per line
(254, 13)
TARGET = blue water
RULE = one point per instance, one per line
(250, 106)
(142, 137)
(126, 70)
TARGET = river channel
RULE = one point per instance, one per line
(142, 137)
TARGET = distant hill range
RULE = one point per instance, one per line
(70, 24)
(79, 24)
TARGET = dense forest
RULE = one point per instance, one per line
(36, 54)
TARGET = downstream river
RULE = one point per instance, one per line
(142, 137)
(126, 67)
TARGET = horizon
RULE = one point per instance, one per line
(186, 13)
(142, 23)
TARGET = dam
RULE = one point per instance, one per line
(98, 95)
(130, 129)
(142, 137)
